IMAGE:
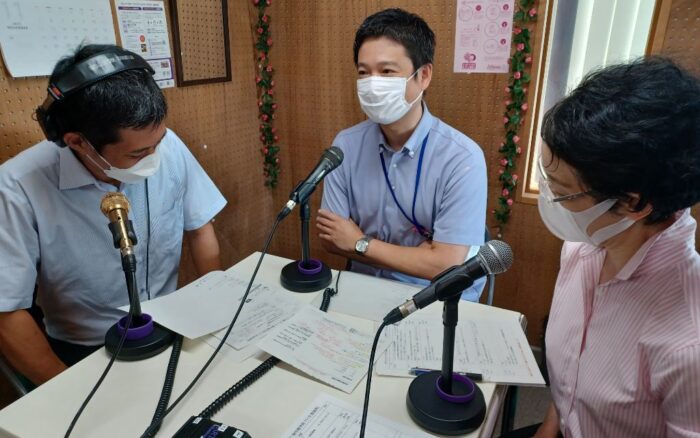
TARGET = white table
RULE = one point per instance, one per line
(124, 404)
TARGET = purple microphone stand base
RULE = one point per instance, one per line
(456, 413)
(144, 339)
(309, 276)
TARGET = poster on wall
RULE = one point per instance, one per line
(143, 29)
(35, 34)
(482, 36)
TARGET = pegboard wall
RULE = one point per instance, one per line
(201, 39)
(217, 121)
(19, 98)
(682, 37)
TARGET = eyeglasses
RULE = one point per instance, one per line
(544, 183)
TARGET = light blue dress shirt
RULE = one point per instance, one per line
(450, 201)
(53, 234)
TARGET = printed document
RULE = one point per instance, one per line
(323, 347)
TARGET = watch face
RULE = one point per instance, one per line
(361, 245)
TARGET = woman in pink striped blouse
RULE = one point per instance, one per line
(619, 171)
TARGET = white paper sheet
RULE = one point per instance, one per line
(366, 302)
(329, 417)
(35, 34)
(143, 29)
(318, 344)
(496, 348)
(228, 351)
(208, 305)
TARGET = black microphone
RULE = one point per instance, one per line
(331, 158)
(494, 257)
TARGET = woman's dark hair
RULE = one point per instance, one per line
(407, 29)
(129, 99)
(633, 128)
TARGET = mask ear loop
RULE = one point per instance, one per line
(109, 166)
(420, 95)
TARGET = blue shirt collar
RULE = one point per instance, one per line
(415, 141)
(73, 173)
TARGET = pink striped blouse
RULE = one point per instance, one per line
(624, 356)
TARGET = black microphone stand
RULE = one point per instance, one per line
(307, 274)
(144, 338)
(442, 401)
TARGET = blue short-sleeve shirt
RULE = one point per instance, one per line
(53, 234)
(450, 200)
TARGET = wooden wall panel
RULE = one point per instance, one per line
(316, 91)
(222, 116)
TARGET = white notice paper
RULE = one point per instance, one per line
(208, 305)
(482, 36)
(496, 348)
(35, 34)
(323, 347)
(143, 29)
(329, 417)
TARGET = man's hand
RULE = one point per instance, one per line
(337, 232)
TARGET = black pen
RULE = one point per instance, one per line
(418, 371)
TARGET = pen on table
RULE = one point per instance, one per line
(418, 371)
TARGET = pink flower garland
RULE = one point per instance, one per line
(266, 103)
(516, 107)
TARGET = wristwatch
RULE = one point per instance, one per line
(362, 244)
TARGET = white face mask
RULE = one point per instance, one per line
(145, 167)
(572, 226)
(383, 99)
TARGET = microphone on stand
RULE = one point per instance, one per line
(307, 274)
(144, 337)
(494, 257)
(331, 158)
(445, 402)
(115, 206)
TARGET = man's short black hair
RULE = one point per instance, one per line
(129, 99)
(633, 128)
(407, 29)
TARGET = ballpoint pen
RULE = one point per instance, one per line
(415, 371)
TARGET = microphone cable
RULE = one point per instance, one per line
(129, 318)
(169, 381)
(261, 369)
(153, 427)
(365, 407)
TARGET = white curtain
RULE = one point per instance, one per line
(585, 35)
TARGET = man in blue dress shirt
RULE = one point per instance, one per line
(54, 236)
(409, 199)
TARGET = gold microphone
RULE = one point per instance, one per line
(115, 206)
